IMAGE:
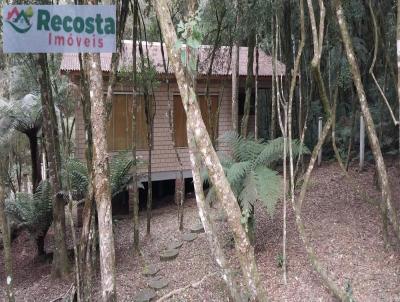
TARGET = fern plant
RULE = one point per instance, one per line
(32, 212)
(120, 176)
(248, 168)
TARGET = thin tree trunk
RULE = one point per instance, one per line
(235, 74)
(256, 123)
(50, 129)
(352, 132)
(209, 157)
(149, 204)
(251, 41)
(180, 194)
(134, 136)
(101, 182)
(274, 90)
(369, 123)
(337, 291)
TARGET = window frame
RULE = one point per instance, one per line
(202, 94)
(127, 94)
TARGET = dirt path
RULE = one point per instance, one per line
(344, 229)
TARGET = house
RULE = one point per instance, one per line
(164, 162)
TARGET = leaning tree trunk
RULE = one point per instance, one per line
(209, 225)
(369, 123)
(50, 129)
(102, 191)
(209, 157)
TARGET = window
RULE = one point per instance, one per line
(180, 117)
(119, 131)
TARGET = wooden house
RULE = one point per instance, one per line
(164, 161)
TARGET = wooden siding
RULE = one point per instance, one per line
(163, 156)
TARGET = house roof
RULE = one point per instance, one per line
(221, 66)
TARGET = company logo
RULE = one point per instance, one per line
(20, 20)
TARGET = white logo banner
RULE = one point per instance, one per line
(59, 28)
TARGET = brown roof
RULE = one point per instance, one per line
(221, 64)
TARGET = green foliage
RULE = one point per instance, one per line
(249, 172)
(120, 176)
(191, 34)
(32, 212)
(78, 176)
(279, 260)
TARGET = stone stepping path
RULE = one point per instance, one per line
(189, 236)
(176, 244)
(169, 254)
(197, 228)
(158, 282)
(150, 270)
(221, 217)
(145, 295)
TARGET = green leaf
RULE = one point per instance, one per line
(183, 56)
(193, 42)
(178, 44)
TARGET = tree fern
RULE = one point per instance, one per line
(120, 175)
(248, 170)
(32, 212)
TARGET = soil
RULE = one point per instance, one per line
(343, 226)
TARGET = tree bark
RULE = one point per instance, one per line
(102, 191)
(209, 226)
(398, 65)
(369, 123)
(209, 157)
(179, 190)
(235, 74)
(256, 122)
(50, 129)
(134, 136)
(35, 158)
(251, 43)
(6, 243)
(87, 212)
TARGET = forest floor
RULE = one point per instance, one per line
(343, 227)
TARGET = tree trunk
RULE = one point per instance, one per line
(87, 212)
(6, 244)
(179, 190)
(102, 191)
(50, 130)
(251, 41)
(35, 158)
(369, 123)
(209, 227)
(235, 74)
(398, 65)
(274, 88)
(209, 157)
(149, 204)
(256, 105)
(135, 188)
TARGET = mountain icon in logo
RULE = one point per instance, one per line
(20, 20)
